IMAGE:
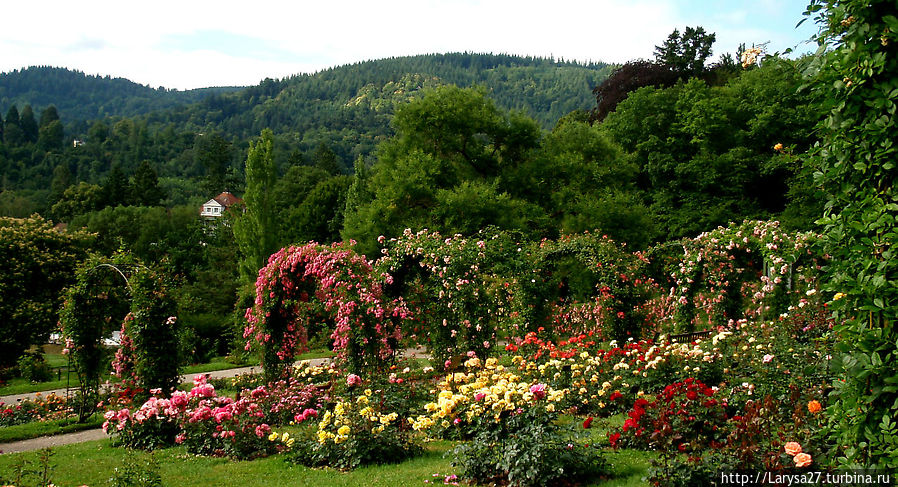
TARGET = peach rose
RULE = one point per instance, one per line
(802, 460)
(792, 448)
(814, 407)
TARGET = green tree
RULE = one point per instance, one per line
(686, 53)
(445, 138)
(358, 192)
(77, 200)
(290, 192)
(256, 229)
(213, 153)
(50, 114)
(16, 205)
(50, 136)
(98, 133)
(38, 262)
(856, 158)
(320, 216)
(62, 179)
(144, 189)
(28, 124)
(705, 154)
(115, 187)
(585, 183)
(326, 159)
(13, 135)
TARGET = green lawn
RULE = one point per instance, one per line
(93, 463)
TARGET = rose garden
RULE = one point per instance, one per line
(547, 361)
(493, 359)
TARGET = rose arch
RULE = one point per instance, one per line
(305, 283)
(583, 283)
(744, 270)
(119, 293)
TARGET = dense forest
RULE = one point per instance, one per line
(80, 97)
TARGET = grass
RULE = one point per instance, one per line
(93, 463)
(37, 429)
(22, 386)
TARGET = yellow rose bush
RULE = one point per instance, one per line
(512, 428)
(356, 432)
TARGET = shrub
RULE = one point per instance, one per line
(512, 426)
(357, 432)
(34, 368)
(685, 417)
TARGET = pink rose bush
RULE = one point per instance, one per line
(209, 424)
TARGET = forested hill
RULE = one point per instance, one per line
(349, 107)
(80, 97)
(544, 88)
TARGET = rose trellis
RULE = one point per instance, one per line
(301, 282)
(457, 286)
(719, 269)
(581, 283)
(107, 292)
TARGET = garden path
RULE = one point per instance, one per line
(97, 434)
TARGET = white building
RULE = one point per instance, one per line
(216, 207)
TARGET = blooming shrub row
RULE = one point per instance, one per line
(357, 432)
(41, 408)
(606, 381)
(210, 424)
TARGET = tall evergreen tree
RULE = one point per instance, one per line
(213, 153)
(145, 190)
(325, 158)
(115, 187)
(688, 52)
(12, 130)
(255, 230)
(28, 124)
(49, 114)
(50, 136)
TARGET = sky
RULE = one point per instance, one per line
(195, 43)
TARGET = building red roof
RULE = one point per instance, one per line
(227, 199)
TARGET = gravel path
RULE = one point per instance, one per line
(97, 434)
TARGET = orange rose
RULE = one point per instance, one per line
(802, 460)
(792, 448)
(814, 407)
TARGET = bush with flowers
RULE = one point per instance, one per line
(684, 417)
(210, 424)
(606, 381)
(358, 431)
(41, 408)
(514, 436)
(768, 435)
